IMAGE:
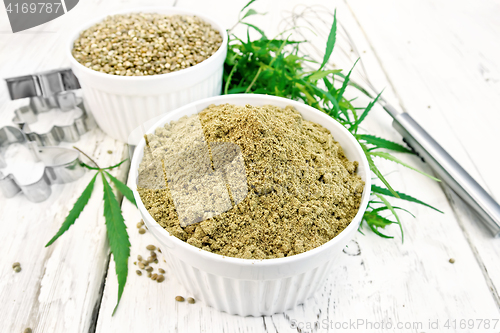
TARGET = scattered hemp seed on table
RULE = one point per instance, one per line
(16, 267)
(144, 265)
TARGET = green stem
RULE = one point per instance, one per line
(253, 81)
(229, 77)
(90, 158)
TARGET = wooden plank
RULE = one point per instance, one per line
(59, 287)
(446, 72)
(376, 280)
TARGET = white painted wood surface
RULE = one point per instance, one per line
(387, 281)
(444, 65)
(59, 288)
(450, 63)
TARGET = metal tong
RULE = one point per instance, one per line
(319, 19)
(446, 168)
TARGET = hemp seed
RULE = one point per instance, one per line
(138, 44)
(179, 298)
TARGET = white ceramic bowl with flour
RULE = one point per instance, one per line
(245, 286)
(121, 104)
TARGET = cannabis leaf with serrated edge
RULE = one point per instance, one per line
(274, 67)
(116, 229)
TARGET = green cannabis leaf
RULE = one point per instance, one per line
(115, 226)
(124, 189)
(384, 191)
(330, 42)
(274, 67)
(117, 235)
(74, 213)
(382, 143)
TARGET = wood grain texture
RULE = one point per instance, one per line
(59, 288)
(450, 63)
(376, 280)
(443, 62)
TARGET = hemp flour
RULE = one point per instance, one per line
(300, 190)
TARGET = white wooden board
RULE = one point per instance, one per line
(409, 283)
(443, 60)
(442, 54)
(59, 288)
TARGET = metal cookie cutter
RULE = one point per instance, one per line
(47, 84)
(47, 91)
(28, 115)
(61, 166)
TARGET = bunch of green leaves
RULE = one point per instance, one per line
(274, 67)
(116, 230)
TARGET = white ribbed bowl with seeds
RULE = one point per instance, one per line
(248, 286)
(124, 95)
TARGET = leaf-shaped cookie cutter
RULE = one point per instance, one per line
(61, 166)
